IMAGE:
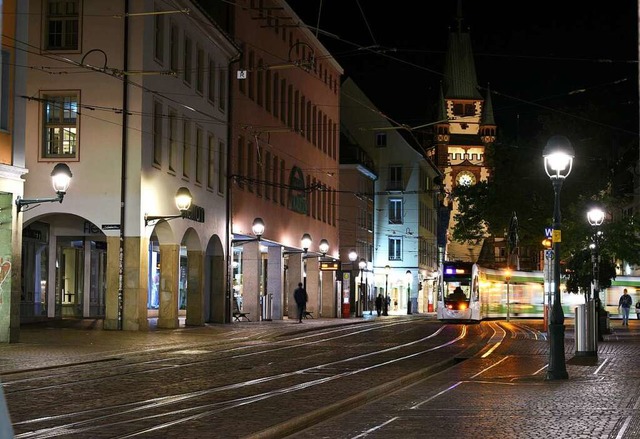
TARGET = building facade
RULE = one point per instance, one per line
(133, 97)
(284, 155)
(405, 200)
(13, 18)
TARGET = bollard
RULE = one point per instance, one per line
(586, 334)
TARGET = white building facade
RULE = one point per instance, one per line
(133, 97)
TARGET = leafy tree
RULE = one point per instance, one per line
(518, 183)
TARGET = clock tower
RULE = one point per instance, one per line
(465, 128)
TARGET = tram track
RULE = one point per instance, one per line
(166, 413)
(209, 352)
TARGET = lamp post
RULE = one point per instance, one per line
(385, 309)
(324, 248)
(507, 277)
(362, 265)
(409, 279)
(558, 157)
(595, 216)
(353, 255)
(305, 241)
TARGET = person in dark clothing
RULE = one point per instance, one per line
(300, 296)
(379, 300)
(625, 303)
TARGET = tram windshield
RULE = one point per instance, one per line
(457, 291)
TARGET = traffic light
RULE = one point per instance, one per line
(546, 243)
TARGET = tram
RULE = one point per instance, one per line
(486, 293)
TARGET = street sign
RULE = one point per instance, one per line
(329, 265)
(549, 254)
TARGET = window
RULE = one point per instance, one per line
(188, 57)
(395, 211)
(200, 70)
(221, 168)
(198, 161)
(62, 24)
(173, 139)
(157, 133)
(212, 80)
(395, 248)
(222, 83)
(276, 95)
(395, 177)
(186, 149)
(211, 147)
(158, 49)
(60, 116)
(175, 40)
(381, 140)
(4, 92)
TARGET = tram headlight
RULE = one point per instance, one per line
(463, 306)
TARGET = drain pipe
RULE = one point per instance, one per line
(123, 165)
(230, 143)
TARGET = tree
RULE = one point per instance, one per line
(518, 183)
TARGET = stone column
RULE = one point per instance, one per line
(315, 303)
(294, 277)
(275, 281)
(251, 269)
(169, 285)
(329, 297)
(195, 290)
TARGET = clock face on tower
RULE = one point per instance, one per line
(466, 178)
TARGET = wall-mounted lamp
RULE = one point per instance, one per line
(258, 227)
(323, 247)
(306, 242)
(183, 203)
(60, 178)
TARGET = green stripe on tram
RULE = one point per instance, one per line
(514, 279)
(624, 283)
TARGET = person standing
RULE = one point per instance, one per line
(638, 309)
(625, 304)
(379, 300)
(300, 296)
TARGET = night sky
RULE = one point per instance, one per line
(539, 56)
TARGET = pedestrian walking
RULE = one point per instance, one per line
(638, 309)
(300, 296)
(625, 303)
(379, 300)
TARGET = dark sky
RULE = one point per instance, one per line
(536, 56)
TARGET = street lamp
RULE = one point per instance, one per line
(353, 255)
(323, 247)
(305, 241)
(595, 216)
(558, 157)
(258, 228)
(183, 203)
(385, 309)
(60, 178)
(409, 279)
(507, 277)
(362, 265)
